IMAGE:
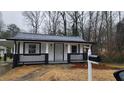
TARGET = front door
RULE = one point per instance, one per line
(58, 52)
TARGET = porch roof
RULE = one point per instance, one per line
(47, 38)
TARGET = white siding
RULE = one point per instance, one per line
(43, 47)
(37, 48)
(51, 52)
(81, 48)
(26, 48)
(28, 58)
(76, 58)
(65, 51)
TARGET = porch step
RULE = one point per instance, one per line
(21, 63)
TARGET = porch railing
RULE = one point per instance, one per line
(76, 57)
(19, 59)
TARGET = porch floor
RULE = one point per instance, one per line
(52, 62)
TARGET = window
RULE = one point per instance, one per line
(74, 49)
(32, 48)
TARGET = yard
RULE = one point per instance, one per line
(60, 72)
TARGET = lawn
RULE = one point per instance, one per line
(65, 72)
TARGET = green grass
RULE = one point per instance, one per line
(115, 65)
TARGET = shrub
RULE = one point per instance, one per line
(114, 57)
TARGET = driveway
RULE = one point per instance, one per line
(61, 72)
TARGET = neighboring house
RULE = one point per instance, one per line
(4, 44)
(39, 48)
(2, 51)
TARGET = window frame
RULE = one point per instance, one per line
(39, 44)
(30, 48)
(76, 48)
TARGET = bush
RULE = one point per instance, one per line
(10, 55)
(114, 57)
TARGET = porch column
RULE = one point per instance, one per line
(89, 50)
(68, 51)
(5, 51)
(15, 56)
(14, 50)
(47, 47)
(69, 48)
(5, 55)
(11, 51)
(18, 48)
(81, 48)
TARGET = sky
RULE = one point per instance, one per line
(14, 17)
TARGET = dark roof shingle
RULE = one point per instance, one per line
(45, 37)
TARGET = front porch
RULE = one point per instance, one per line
(32, 52)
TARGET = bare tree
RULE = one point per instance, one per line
(81, 24)
(1, 22)
(120, 36)
(100, 31)
(1, 26)
(119, 15)
(63, 15)
(90, 24)
(74, 16)
(34, 19)
(53, 22)
(111, 25)
(96, 26)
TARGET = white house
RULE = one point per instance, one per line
(41, 48)
(4, 44)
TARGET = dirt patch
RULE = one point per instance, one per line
(100, 75)
(18, 72)
(62, 75)
(95, 66)
(77, 75)
(66, 72)
(4, 68)
(32, 75)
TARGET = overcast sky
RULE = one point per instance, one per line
(14, 17)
